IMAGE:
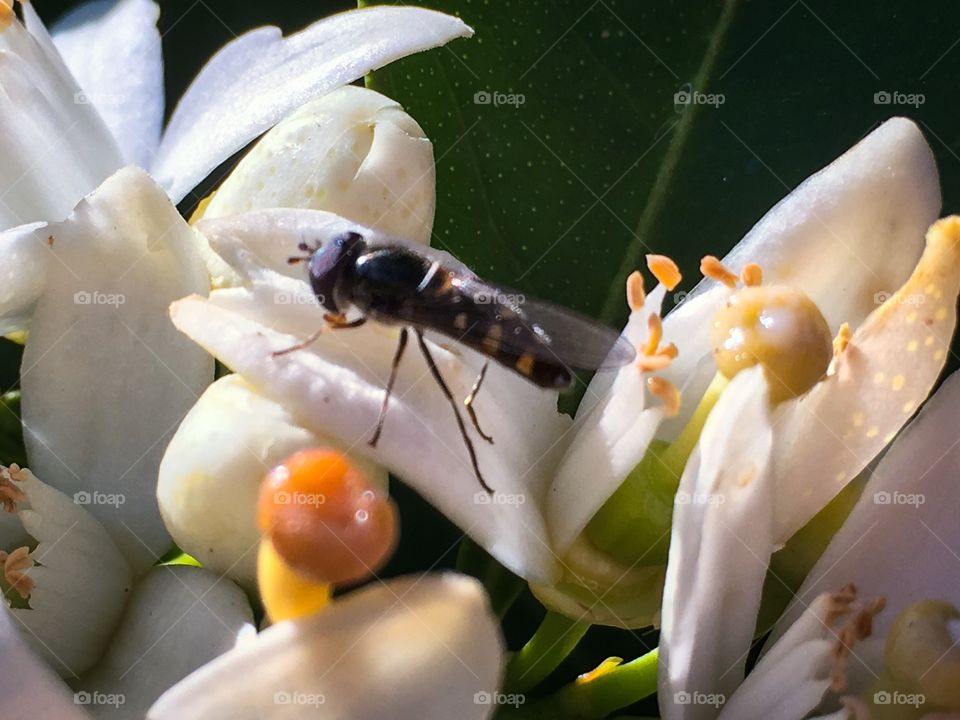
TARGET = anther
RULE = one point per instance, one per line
(667, 392)
(635, 293)
(15, 566)
(751, 275)
(10, 494)
(712, 268)
(664, 270)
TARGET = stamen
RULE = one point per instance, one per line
(712, 268)
(635, 294)
(15, 565)
(6, 14)
(858, 626)
(653, 363)
(655, 327)
(667, 392)
(751, 275)
(664, 270)
(10, 494)
(842, 339)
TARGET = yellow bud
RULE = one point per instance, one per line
(287, 595)
(779, 328)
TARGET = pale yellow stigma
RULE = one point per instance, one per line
(922, 652)
(778, 328)
(287, 595)
(668, 394)
(664, 270)
(635, 293)
(10, 494)
(15, 567)
(712, 268)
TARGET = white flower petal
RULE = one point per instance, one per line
(260, 77)
(846, 234)
(178, 619)
(352, 152)
(106, 378)
(53, 150)
(902, 539)
(792, 678)
(411, 648)
(611, 435)
(23, 275)
(29, 687)
(81, 581)
(335, 387)
(719, 551)
(826, 437)
(112, 48)
(211, 473)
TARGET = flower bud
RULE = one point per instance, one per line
(352, 152)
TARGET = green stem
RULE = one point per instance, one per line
(594, 698)
(502, 586)
(556, 638)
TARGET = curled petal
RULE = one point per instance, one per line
(846, 235)
(212, 469)
(105, 376)
(261, 76)
(826, 437)
(54, 148)
(112, 48)
(720, 548)
(414, 647)
(178, 619)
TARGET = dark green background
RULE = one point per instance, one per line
(798, 79)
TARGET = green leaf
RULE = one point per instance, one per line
(557, 136)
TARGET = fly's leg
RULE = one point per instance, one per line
(334, 322)
(453, 404)
(395, 365)
(468, 402)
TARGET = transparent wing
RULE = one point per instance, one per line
(549, 332)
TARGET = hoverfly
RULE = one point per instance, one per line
(423, 289)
